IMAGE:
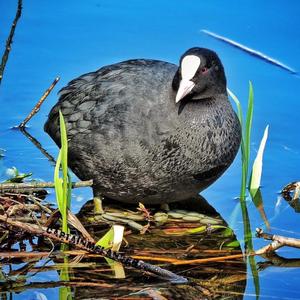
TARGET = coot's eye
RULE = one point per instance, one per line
(204, 70)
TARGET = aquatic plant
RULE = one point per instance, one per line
(112, 240)
(254, 179)
(63, 185)
(256, 172)
(15, 176)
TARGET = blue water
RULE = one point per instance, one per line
(68, 38)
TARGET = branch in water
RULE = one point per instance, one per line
(10, 39)
(278, 241)
(39, 185)
(40, 102)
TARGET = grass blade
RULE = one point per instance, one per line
(258, 202)
(63, 185)
(255, 179)
(245, 149)
(257, 165)
(238, 104)
(65, 292)
(58, 184)
(248, 126)
(64, 166)
(255, 275)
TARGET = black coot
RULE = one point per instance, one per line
(148, 130)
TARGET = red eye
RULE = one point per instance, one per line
(204, 70)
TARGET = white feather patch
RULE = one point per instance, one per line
(189, 66)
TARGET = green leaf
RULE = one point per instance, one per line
(113, 238)
(245, 149)
(202, 229)
(58, 184)
(65, 173)
(107, 240)
(65, 292)
(234, 244)
(248, 125)
(257, 165)
(255, 179)
(258, 202)
(255, 275)
(63, 185)
(238, 104)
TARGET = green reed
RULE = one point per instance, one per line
(63, 184)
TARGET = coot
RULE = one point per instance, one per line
(147, 130)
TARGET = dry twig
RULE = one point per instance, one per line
(278, 241)
(10, 39)
(40, 102)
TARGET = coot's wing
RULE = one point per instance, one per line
(115, 101)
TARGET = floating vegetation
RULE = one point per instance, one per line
(250, 51)
(15, 176)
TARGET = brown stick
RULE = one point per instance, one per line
(10, 39)
(39, 185)
(177, 262)
(52, 284)
(278, 241)
(40, 102)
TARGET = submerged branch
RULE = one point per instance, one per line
(10, 39)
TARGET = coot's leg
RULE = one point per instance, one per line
(98, 209)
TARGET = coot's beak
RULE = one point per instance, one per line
(185, 88)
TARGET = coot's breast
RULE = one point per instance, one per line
(128, 135)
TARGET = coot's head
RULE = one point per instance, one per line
(200, 75)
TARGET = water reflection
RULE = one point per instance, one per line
(90, 277)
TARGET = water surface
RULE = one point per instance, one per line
(73, 37)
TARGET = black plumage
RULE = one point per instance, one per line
(127, 133)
